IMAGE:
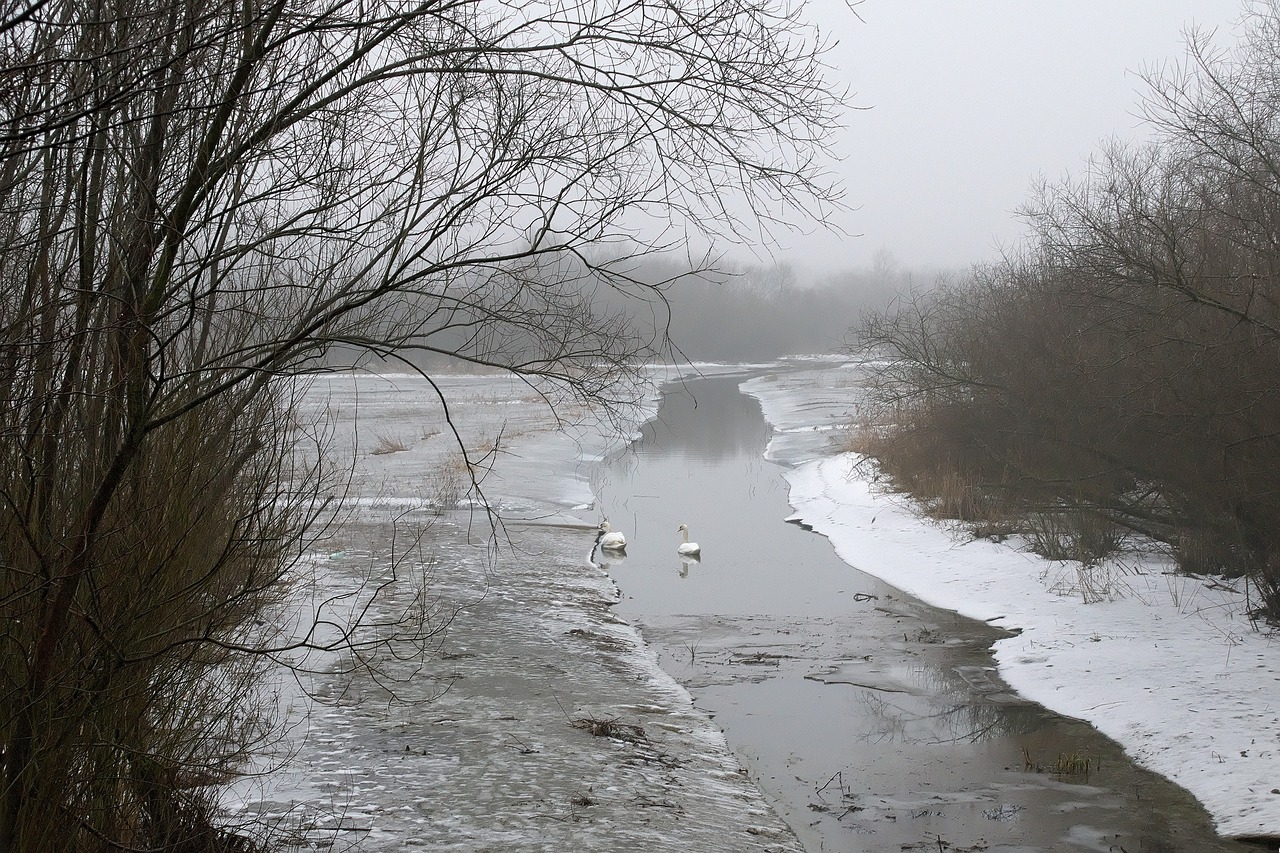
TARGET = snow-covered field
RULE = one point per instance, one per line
(1169, 666)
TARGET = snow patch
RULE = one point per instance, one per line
(1171, 667)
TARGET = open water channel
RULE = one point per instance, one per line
(871, 721)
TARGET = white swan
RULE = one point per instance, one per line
(610, 540)
(687, 548)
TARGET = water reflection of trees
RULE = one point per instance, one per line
(928, 717)
(737, 426)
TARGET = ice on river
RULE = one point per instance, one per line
(498, 736)
(1169, 666)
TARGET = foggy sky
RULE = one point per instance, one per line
(969, 101)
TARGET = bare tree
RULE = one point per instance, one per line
(199, 200)
(1123, 368)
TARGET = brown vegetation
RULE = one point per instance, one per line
(1122, 373)
(612, 728)
(200, 201)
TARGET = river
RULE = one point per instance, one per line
(872, 722)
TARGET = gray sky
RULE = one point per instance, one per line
(970, 101)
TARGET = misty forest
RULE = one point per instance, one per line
(210, 208)
(1116, 374)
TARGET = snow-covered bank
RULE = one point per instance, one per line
(1168, 666)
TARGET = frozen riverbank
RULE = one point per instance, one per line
(1168, 666)
(498, 735)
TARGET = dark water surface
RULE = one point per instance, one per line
(872, 721)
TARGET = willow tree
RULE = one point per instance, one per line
(201, 198)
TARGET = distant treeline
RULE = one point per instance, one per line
(761, 313)
(1121, 372)
(732, 314)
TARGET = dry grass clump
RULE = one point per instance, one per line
(448, 484)
(859, 437)
(948, 469)
(1076, 534)
(389, 443)
(945, 488)
(1068, 765)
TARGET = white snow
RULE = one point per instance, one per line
(1169, 666)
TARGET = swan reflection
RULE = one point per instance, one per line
(687, 561)
(603, 558)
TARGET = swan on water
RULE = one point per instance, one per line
(609, 539)
(687, 548)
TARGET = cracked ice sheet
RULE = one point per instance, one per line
(1169, 666)
(474, 747)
